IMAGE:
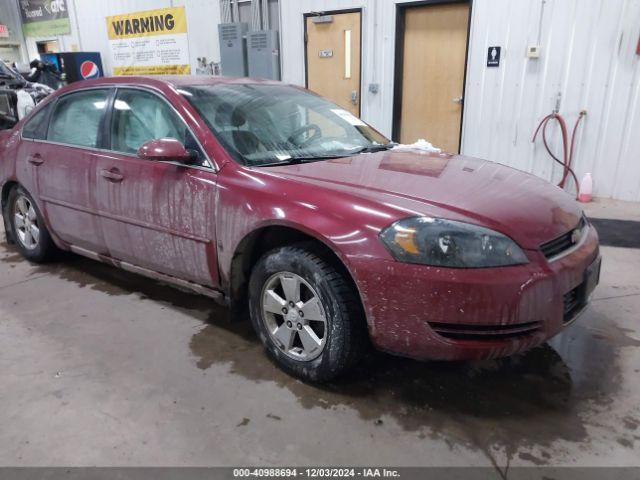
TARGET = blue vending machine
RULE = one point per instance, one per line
(80, 65)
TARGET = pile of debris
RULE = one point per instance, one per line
(18, 95)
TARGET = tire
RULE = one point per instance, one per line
(342, 332)
(38, 249)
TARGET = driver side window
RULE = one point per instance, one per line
(140, 116)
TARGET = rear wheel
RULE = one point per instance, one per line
(30, 233)
(306, 314)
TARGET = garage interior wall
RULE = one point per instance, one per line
(89, 31)
(588, 57)
(10, 16)
(244, 11)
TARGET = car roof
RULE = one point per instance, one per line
(160, 81)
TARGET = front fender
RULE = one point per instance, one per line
(249, 201)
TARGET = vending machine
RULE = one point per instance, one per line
(76, 65)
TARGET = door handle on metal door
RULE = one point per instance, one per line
(35, 159)
(354, 97)
(113, 175)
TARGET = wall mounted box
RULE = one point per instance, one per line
(263, 54)
(533, 51)
(233, 49)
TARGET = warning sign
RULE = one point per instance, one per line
(152, 42)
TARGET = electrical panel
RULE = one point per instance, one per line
(264, 54)
(233, 49)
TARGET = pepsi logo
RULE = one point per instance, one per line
(89, 70)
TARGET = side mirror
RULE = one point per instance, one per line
(165, 150)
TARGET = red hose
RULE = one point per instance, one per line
(573, 140)
(566, 149)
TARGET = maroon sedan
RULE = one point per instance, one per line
(272, 199)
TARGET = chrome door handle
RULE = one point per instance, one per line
(35, 159)
(113, 175)
(458, 100)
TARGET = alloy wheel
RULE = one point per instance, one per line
(294, 316)
(25, 221)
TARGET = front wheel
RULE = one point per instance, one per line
(306, 314)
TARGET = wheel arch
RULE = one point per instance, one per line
(5, 191)
(265, 238)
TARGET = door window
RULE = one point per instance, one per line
(140, 116)
(76, 118)
(36, 127)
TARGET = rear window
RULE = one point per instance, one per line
(76, 118)
(36, 126)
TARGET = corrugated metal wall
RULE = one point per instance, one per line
(588, 56)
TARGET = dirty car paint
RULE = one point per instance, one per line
(190, 222)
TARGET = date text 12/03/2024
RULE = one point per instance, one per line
(316, 472)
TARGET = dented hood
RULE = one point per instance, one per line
(520, 205)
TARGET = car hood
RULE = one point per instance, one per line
(522, 206)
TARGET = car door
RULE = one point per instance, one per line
(34, 133)
(64, 165)
(155, 215)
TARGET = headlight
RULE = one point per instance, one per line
(447, 243)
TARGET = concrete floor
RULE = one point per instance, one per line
(101, 367)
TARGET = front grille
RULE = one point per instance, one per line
(564, 242)
(459, 331)
(573, 301)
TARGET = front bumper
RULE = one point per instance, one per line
(462, 314)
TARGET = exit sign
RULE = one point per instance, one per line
(4, 31)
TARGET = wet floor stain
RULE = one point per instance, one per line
(245, 421)
(13, 258)
(113, 281)
(631, 423)
(520, 405)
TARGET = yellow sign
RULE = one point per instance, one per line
(145, 24)
(153, 42)
(153, 70)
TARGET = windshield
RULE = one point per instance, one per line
(278, 124)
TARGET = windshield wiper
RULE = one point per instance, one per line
(300, 160)
(317, 158)
(374, 148)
